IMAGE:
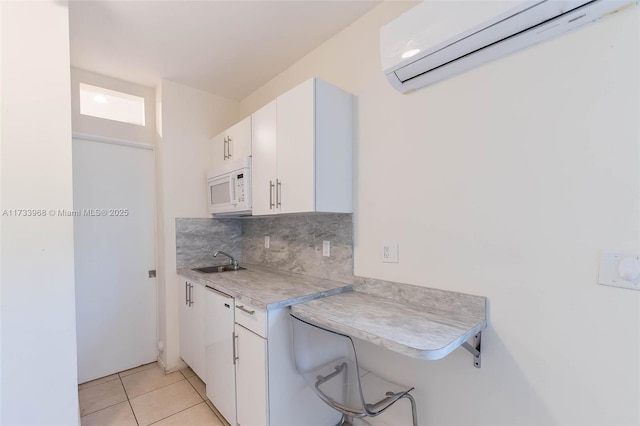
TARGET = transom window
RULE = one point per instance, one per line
(111, 105)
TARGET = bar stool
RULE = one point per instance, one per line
(328, 362)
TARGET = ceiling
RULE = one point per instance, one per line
(230, 48)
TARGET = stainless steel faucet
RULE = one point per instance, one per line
(232, 260)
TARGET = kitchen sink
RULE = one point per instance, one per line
(215, 269)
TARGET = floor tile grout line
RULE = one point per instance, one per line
(97, 384)
(194, 388)
(161, 387)
(149, 367)
(177, 412)
(104, 408)
(129, 401)
(184, 379)
(217, 413)
(108, 406)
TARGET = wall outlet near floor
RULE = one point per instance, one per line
(267, 241)
(620, 270)
(390, 253)
(326, 248)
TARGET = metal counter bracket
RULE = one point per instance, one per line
(475, 349)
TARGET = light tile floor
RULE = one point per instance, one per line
(146, 395)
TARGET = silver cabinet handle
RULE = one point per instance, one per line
(271, 187)
(225, 148)
(278, 193)
(229, 146)
(190, 294)
(243, 309)
(186, 293)
(233, 344)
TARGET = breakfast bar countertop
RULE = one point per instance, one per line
(266, 288)
(415, 321)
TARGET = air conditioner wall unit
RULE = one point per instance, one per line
(438, 39)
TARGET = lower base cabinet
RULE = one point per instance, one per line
(253, 348)
(192, 327)
(251, 378)
(219, 355)
(269, 390)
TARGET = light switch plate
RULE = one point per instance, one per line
(390, 253)
(610, 271)
(326, 248)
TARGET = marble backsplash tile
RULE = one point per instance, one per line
(296, 244)
(198, 239)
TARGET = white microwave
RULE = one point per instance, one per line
(230, 188)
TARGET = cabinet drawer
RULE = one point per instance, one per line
(251, 318)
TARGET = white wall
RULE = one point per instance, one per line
(507, 182)
(38, 370)
(187, 119)
(95, 126)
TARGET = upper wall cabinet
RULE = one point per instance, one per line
(302, 151)
(233, 143)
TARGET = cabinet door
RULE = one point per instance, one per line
(186, 324)
(219, 150)
(197, 330)
(218, 349)
(251, 378)
(239, 140)
(295, 153)
(263, 163)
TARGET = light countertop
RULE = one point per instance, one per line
(418, 322)
(266, 288)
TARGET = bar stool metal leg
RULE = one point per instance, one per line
(345, 421)
(414, 413)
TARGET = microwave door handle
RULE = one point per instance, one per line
(233, 190)
(209, 188)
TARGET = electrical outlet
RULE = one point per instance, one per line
(267, 241)
(326, 248)
(390, 253)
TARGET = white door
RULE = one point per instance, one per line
(114, 236)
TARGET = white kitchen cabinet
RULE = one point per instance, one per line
(239, 140)
(232, 144)
(251, 378)
(244, 355)
(263, 164)
(192, 327)
(219, 357)
(269, 390)
(302, 151)
(219, 146)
